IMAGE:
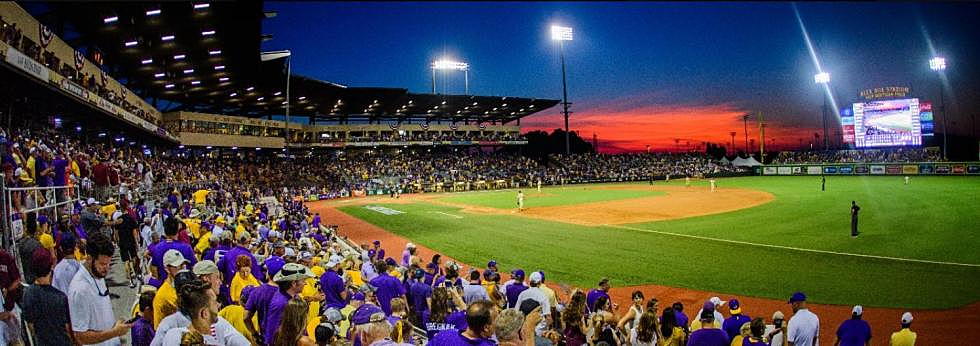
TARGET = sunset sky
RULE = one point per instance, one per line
(646, 73)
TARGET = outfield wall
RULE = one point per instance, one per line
(896, 168)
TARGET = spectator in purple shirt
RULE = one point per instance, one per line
(854, 331)
(407, 254)
(256, 304)
(170, 228)
(708, 335)
(388, 287)
(514, 289)
(143, 327)
(480, 317)
(291, 280)
(595, 293)
(733, 323)
(681, 318)
(227, 261)
(419, 294)
(334, 292)
(316, 222)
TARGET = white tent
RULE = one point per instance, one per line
(724, 161)
(749, 162)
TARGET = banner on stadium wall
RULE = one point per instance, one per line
(973, 169)
(893, 169)
(74, 89)
(797, 170)
(830, 170)
(26, 64)
(910, 169)
(846, 169)
(942, 169)
(959, 169)
(861, 169)
(769, 170)
(359, 193)
(814, 170)
(784, 170)
(877, 169)
(926, 169)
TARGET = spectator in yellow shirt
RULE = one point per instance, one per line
(235, 313)
(165, 302)
(243, 278)
(200, 196)
(905, 336)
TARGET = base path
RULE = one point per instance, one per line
(934, 327)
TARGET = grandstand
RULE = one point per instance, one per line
(148, 127)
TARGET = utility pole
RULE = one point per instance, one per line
(745, 122)
(733, 141)
(762, 138)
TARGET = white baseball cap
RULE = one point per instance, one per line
(410, 246)
(334, 260)
(717, 301)
(91, 201)
(535, 277)
(907, 318)
(173, 258)
(857, 310)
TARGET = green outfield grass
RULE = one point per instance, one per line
(934, 218)
(570, 194)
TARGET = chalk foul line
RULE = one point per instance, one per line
(447, 214)
(793, 248)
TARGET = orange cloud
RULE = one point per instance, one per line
(621, 127)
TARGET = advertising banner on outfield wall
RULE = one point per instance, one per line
(973, 169)
(942, 169)
(846, 169)
(877, 169)
(926, 169)
(784, 170)
(814, 170)
(959, 169)
(830, 170)
(797, 170)
(861, 169)
(910, 169)
(893, 169)
(769, 170)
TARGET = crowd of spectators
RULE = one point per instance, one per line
(860, 156)
(631, 167)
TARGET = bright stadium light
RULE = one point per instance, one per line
(561, 33)
(937, 63)
(446, 64)
(821, 78)
(112, 19)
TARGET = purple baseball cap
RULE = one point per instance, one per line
(274, 267)
(797, 297)
(390, 261)
(377, 242)
(367, 313)
(492, 263)
(708, 310)
(371, 253)
(358, 296)
(518, 273)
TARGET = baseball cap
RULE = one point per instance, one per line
(797, 297)
(293, 272)
(377, 242)
(333, 315)
(535, 277)
(91, 201)
(173, 258)
(367, 313)
(492, 263)
(708, 310)
(857, 310)
(334, 260)
(907, 318)
(419, 273)
(205, 267)
(603, 281)
(518, 273)
(734, 306)
(306, 255)
(528, 305)
(290, 252)
(778, 315)
(410, 246)
(358, 296)
(717, 301)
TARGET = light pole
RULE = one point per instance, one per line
(562, 34)
(445, 64)
(733, 141)
(823, 78)
(266, 56)
(938, 64)
(745, 122)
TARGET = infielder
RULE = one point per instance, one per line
(712, 181)
(520, 200)
(906, 180)
(539, 185)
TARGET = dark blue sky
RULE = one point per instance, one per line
(641, 59)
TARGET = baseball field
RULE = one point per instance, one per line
(755, 236)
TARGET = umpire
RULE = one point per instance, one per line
(854, 219)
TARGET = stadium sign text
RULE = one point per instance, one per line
(25, 63)
(884, 93)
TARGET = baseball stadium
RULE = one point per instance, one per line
(264, 173)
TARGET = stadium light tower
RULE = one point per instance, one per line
(562, 34)
(445, 64)
(938, 64)
(266, 56)
(823, 78)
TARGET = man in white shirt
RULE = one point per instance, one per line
(88, 297)
(65, 270)
(717, 302)
(474, 290)
(535, 293)
(804, 326)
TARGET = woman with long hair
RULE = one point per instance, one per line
(293, 325)
(645, 332)
(573, 319)
(602, 323)
(446, 311)
(671, 334)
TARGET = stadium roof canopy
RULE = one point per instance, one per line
(205, 57)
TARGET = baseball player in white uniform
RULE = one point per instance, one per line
(712, 181)
(520, 200)
(906, 180)
(539, 185)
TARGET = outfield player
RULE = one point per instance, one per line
(906, 180)
(823, 183)
(539, 185)
(712, 181)
(520, 200)
(854, 219)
